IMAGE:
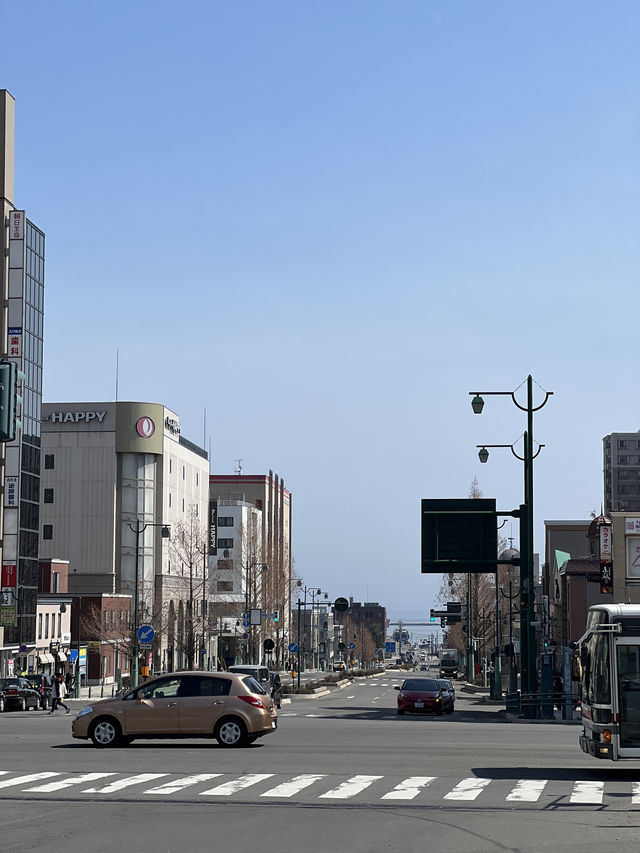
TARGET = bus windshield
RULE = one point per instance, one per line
(596, 688)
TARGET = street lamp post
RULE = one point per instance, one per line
(527, 637)
(140, 527)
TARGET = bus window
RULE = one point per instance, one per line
(601, 687)
(629, 694)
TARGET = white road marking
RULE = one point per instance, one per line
(127, 782)
(23, 780)
(228, 788)
(587, 792)
(468, 789)
(180, 784)
(375, 698)
(409, 789)
(298, 783)
(527, 790)
(351, 697)
(635, 788)
(67, 783)
(313, 715)
(350, 788)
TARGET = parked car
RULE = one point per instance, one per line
(259, 673)
(339, 666)
(276, 688)
(447, 685)
(421, 695)
(231, 707)
(41, 683)
(19, 694)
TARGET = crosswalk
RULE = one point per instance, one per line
(308, 787)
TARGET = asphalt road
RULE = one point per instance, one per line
(343, 771)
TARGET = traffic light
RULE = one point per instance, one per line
(8, 400)
(432, 617)
(325, 626)
(276, 615)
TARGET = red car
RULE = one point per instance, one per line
(420, 695)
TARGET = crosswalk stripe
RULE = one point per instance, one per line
(228, 788)
(293, 786)
(589, 793)
(635, 793)
(180, 784)
(527, 790)
(127, 782)
(67, 783)
(409, 789)
(468, 789)
(31, 777)
(350, 788)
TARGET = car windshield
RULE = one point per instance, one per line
(253, 685)
(420, 684)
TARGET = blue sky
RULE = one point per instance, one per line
(326, 223)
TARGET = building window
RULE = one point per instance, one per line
(55, 576)
(225, 586)
(622, 442)
(40, 626)
(59, 625)
(48, 460)
(623, 460)
(624, 475)
(623, 490)
(48, 496)
(170, 466)
(47, 531)
(169, 499)
(46, 626)
(225, 521)
(197, 478)
(225, 565)
(225, 543)
(183, 472)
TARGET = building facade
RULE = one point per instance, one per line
(621, 471)
(114, 474)
(268, 495)
(21, 338)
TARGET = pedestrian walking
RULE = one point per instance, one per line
(58, 693)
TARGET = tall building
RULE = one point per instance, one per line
(113, 475)
(621, 469)
(22, 281)
(266, 493)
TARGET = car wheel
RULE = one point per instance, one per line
(400, 712)
(1, 704)
(231, 732)
(22, 704)
(105, 732)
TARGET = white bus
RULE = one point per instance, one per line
(610, 659)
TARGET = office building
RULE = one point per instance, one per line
(621, 469)
(115, 474)
(21, 337)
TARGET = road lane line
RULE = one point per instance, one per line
(587, 792)
(527, 790)
(409, 789)
(127, 782)
(180, 784)
(293, 786)
(228, 788)
(351, 697)
(67, 783)
(468, 789)
(20, 780)
(635, 799)
(350, 788)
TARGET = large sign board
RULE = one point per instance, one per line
(459, 535)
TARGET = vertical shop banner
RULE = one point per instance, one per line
(606, 578)
(213, 528)
(606, 555)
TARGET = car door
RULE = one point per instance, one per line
(153, 708)
(203, 700)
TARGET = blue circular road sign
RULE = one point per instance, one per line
(146, 634)
(293, 647)
(352, 645)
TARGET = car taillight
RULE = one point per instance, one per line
(253, 700)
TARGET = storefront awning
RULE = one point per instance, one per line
(45, 657)
(62, 656)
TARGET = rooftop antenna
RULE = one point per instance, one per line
(238, 466)
(117, 370)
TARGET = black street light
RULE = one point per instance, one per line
(527, 637)
(140, 527)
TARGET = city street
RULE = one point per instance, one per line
(343, 771)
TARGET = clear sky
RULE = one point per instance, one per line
(326, 223)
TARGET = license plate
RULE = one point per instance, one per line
(273, 724)
(418, 705)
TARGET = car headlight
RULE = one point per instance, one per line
(87, 710)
